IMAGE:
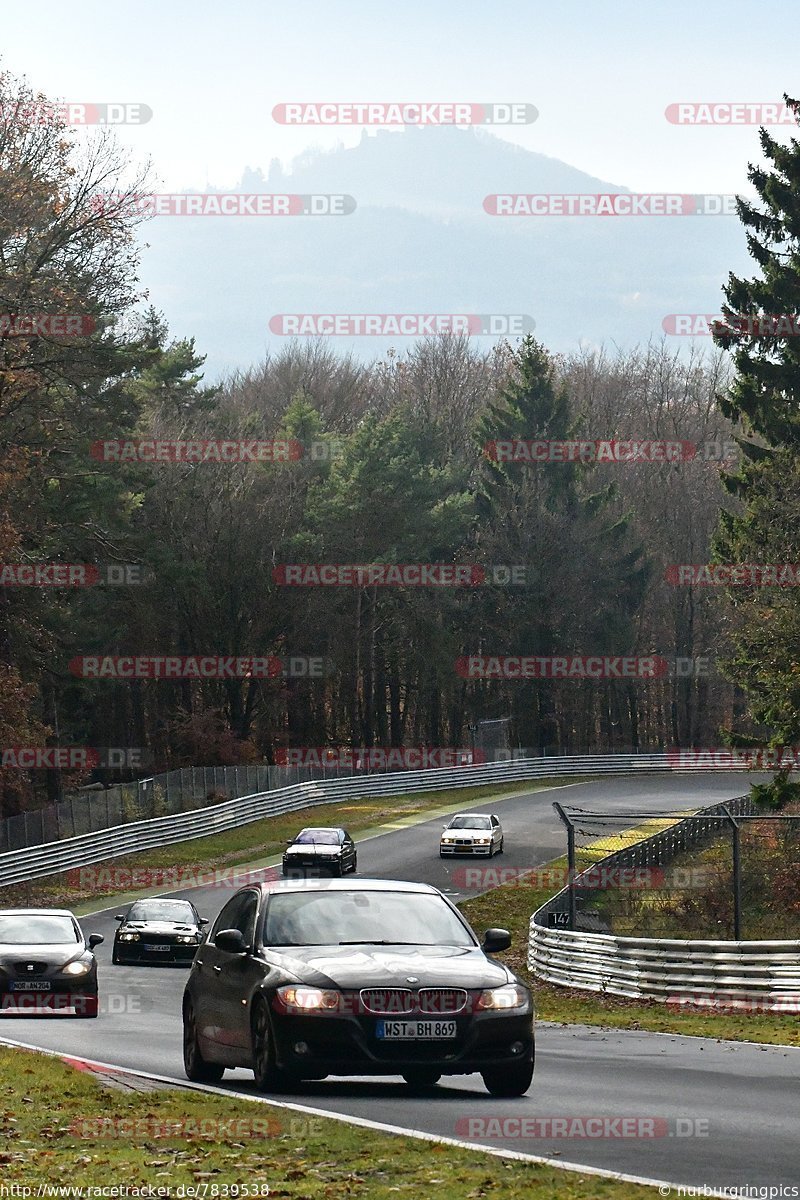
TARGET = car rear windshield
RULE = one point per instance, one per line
(45, 930)
(328, 837)
(324, 918)
(470, 823)
(163, 910)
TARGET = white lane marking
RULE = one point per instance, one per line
(365, 1123)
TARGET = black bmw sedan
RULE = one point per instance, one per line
(158, 931)
(46, 964)
(309, 978)
(313, 851)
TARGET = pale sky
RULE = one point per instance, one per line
(601, 75)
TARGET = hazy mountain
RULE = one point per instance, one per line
(420, 241)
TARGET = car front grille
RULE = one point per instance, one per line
(402, 1001)
(29, 969)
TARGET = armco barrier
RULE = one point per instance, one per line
(35, 862)
(753, 974)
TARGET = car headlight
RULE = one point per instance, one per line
(448, 838)
(481, 841)
(189, 939)
(511, 995)
(129, 937)
(308, 999)
(76, 968)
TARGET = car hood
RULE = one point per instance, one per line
(350, 967)
(471, 831)
(158, 927)
(53, 955)
(311, 848)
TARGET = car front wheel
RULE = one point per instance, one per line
(511, 1080)
(195, 1066)
(268, 1077)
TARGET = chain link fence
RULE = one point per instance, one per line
(728, 872)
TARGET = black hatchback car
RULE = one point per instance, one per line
(158, 931)
(309, 978)
(316, 850)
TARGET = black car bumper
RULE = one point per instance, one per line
(138, 952)
(79, 996)
(334, 1045)
(313, 867)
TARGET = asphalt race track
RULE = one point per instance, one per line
(708, 1112)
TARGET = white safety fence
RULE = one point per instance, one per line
(736, 976)
(35, 862)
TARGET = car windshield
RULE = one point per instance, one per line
(18, 929)
(470, 823)
(328, 837)
(162, 910)
(325, 918)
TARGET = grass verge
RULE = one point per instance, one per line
(510, 907)
(97, 1137)
(252, 845)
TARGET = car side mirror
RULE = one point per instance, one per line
(119, 917)
(204, 920)
(495, 940)
(231, 941)
(94, 940)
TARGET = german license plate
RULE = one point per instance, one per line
(161, 949)
(29, 985)
(409, 1031)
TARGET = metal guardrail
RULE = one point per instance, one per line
(740, 974)
(36, 862)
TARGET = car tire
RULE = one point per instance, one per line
(268, 1076)
(354, 867)
(502, 844)
(194, 1065)
(421, 1079)
(511, 1080)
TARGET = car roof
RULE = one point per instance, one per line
(36, 912)
(321, 829)
(471, 815)
(345, 885)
